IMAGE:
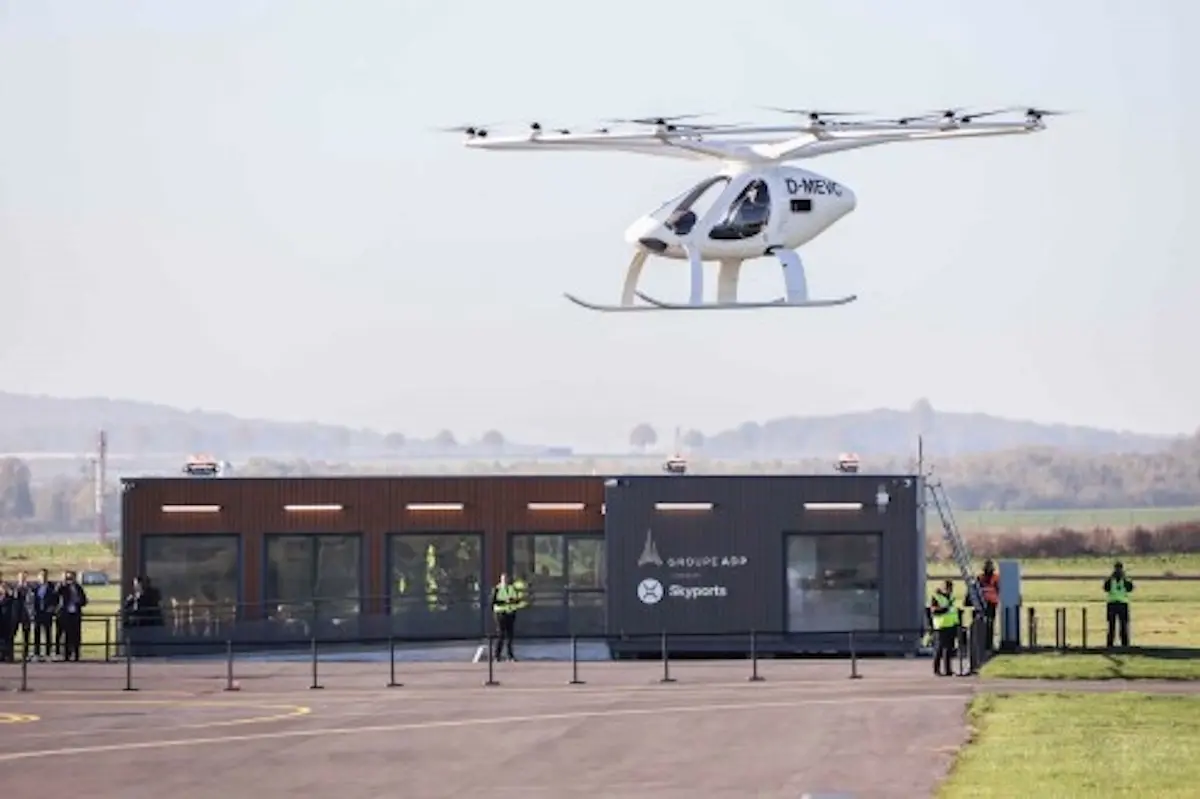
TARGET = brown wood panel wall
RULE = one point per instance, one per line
(371, 506)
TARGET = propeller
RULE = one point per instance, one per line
(967, 118)
(814, 115)
(1038, 113)
(659, 121)
(471, 130)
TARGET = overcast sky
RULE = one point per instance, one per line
(240, 206)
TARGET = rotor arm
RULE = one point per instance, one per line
(806, 147)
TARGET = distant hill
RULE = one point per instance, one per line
(894, 432)
(42, 424)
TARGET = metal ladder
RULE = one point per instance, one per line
(958, 546)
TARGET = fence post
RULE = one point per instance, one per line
(575, 662)
(1083, 626)
(316, 684)
(107, 638)
(980, 638)
(392, 663)
(666, 661)
(1033, 628)
(491, 677)
(230, 685)
(24, 688)
(754, 675)
(128, 665)
(854, 675)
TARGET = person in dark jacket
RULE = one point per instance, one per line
(26, 605)
(1117, 589)
(72, 599)
(45, 606)
(143, 606)
(8, 622)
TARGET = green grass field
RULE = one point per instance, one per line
(1166, 664)
(1163, 613)
(1079, 745)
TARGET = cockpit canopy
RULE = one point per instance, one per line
(746, 217)
(748, 214)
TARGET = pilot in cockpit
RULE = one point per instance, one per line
(752, 210)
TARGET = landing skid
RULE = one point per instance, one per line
(594, 306)
(734, 306)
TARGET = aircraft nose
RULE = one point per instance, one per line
(648, 229)
(848, 201)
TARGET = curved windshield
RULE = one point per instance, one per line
(697, 199)
(748, 214)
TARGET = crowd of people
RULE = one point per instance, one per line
(41, 619)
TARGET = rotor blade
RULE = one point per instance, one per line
(980, 114)
(811, 112)
(714, 126)
(1044, 112)
(945, 113)
(467, 128)
(657, 120)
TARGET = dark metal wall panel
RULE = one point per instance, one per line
(372, 506)
(738, 548)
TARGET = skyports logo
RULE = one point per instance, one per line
(697, 591)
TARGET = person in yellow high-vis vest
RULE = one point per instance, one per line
(945, 616)
(504, 606)
(522, 589)
(1117, 589)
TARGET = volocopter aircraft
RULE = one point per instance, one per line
(762, 206)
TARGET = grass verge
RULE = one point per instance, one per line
(1079, 745)
(1162, 664)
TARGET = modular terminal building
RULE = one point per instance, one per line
(800, 561)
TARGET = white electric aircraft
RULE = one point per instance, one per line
(761, 206)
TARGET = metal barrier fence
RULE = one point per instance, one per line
(1026, 624)
(310, 663)
(104, 636)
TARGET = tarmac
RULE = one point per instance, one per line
(807, 728)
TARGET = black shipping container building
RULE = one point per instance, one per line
(802, 562)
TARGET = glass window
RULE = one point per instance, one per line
(585, 563)
(199, 577)
(436, 586)
(748, 214)
(539, 558)
(833, 582)
(311, 574)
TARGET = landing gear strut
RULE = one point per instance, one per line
(795, 285)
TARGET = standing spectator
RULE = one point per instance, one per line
(143, 606)
(989, 589)
(1118, 587)
(25, 602)
(72, 599)
(45, 606)
(8, 622)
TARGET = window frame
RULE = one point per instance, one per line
(787, 538)
(389, 598)
(563, 603)
(239, 593)
(266, 601)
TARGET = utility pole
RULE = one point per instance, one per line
(99, 478)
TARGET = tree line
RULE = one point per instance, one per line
(1168, 539)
